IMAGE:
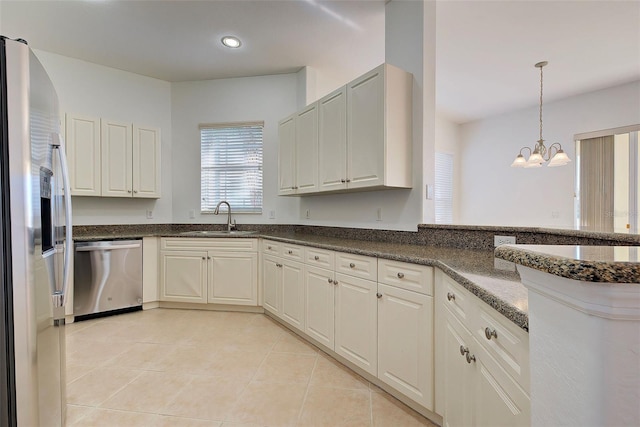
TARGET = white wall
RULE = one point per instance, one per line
(493, 193)
(95, 90)
(447, 140)
(265, 98)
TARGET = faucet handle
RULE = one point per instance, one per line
(234, 227)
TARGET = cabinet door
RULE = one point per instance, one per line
(183, 276)
(286, 156)
(459, 376)
(233, 278)
(307, 150)
(83, 153)
(271, 283)
(405, 343)
(117, 159)
(293, 294)
(499, 401)
(147, 145)
(365, 130)
(319, 305)
(332, 143)
(356, 318)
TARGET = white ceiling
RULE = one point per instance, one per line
(485, 49)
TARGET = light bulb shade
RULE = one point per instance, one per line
(533, 165)
(560, 159)
(519, 162)
(534, 159)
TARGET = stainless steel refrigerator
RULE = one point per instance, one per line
(35, 242)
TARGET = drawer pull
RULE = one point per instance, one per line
(352, 265)
(316, 257)
(269, 247)
(330, 280)
(335, 282)
(470, 357)
(450, 296)
(400, 275)
(379, 295)
(278, 265)
(490, 333)
(463, 350)
(289, 252)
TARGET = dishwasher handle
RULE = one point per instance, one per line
(106, 247)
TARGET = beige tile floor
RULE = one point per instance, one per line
(166, 367)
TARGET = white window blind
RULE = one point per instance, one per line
(444, 188)
(231, 166)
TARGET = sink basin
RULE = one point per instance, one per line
(213, 233)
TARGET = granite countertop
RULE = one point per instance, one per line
(604, 264)
(474, 269)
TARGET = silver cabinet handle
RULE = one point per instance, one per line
(289, 252)
(208, 257)
(489, 333)
(343, 180)
(450, 296)
(135, 191)
(464, 350)
(269, 247)
(379, 295)
(330, 280)
(316, 257)
(129, 191)
(203, 258)
(400, 275)
(348, 180)
(470, 357)
(335, 282)
(352, 265)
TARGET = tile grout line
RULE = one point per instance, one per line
(306, 392)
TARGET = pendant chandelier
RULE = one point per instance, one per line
(540, 153)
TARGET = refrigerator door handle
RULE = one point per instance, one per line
(60, 295)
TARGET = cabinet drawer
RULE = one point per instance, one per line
(319, 258)
(412, 277)
(230, 243)
(357, 265)
(506, 342)
(270, 247)
(457, 299)
(293, 252)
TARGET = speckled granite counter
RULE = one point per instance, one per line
(605, 264)
(472, 268)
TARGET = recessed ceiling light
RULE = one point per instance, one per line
(231, 41)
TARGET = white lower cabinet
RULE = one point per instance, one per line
(320, 305)
(232, 278)
(356, 321)
(283, 284)
(476, 389)
(183, 276)
(199, 271)
(405, 342)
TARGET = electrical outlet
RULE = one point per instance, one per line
(503, 240)
(379, 214)
(272, 214)
(149, 214)
(192, 214)
(307, 213)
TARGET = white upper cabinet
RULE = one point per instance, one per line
(83, 151)
(110, 158)
(357, 138)
(117, 159)
(286, 156)
(379, 134)
(332, 144)
(146, 162)
(307, 150)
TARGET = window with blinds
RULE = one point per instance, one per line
(231, 166)
(444, 188)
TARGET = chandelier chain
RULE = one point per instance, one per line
(541, 103)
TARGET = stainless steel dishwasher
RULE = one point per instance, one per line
(107, 277)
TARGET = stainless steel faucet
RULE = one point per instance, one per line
(217, 211)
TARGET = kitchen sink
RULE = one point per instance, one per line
(214, 233)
